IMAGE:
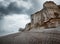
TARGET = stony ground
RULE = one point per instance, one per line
(44, 37)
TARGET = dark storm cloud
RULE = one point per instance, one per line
(12, 8)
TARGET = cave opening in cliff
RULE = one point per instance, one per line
(56, 14)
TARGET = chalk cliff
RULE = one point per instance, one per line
(48, 17)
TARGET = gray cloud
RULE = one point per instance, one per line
(8, 7)
(36, 6)
(13, 9)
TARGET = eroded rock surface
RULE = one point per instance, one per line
(48, 17)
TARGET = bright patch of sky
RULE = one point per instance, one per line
(11, 23)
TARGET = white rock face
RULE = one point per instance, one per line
(48, 17)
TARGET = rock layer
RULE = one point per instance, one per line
(48, 17)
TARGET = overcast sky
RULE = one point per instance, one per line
(8, 7)
(15, 14)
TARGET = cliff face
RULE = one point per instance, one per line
(48, 17)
